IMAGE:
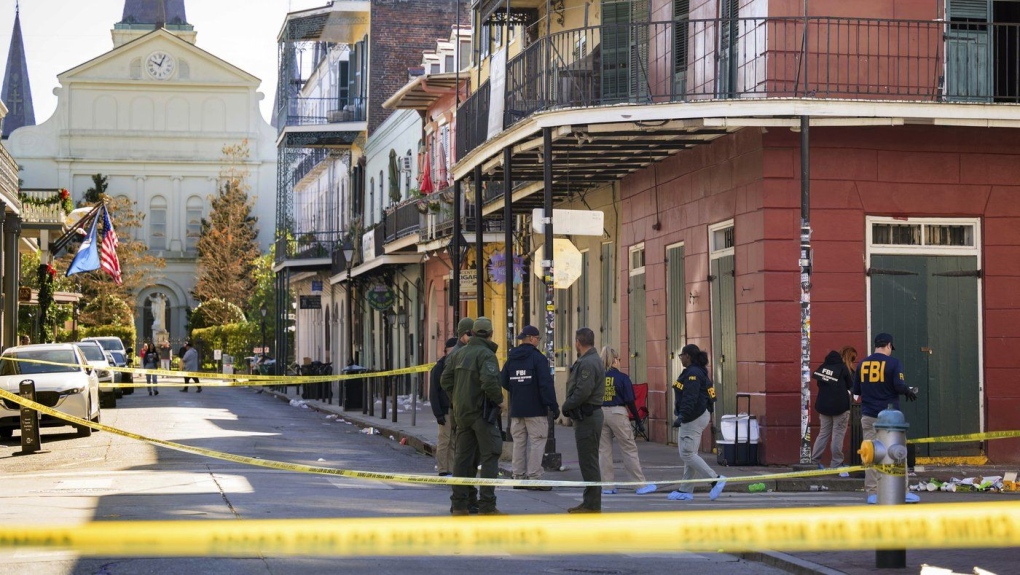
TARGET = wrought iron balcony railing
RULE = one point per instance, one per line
(405, 219)
(298, 111)
(308, 245)
(747, 58)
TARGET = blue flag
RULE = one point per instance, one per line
(87, 258)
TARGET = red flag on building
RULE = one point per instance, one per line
(108, 261)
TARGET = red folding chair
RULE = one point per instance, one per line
(641, 402)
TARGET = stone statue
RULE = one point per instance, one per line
(159, 331)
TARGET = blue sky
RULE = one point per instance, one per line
(60, 34)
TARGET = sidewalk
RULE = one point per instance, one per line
(662, 462)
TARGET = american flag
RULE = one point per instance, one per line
(108, 261)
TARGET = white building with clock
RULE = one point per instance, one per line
(153, 114)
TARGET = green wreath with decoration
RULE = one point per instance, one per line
(63, 198)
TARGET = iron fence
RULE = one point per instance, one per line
(404, 220)
(308, 245)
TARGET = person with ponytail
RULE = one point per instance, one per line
(693, 410)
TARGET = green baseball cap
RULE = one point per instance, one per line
(464, 326)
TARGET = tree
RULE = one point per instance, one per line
(106, 310)
(228, 246)
(215, 312)
(138, 267)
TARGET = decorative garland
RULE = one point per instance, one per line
(63, 198)
(46, 275)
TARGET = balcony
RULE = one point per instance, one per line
(762, 63)
(308, 249)
(303, 121)
(42, 209)
(404, 220)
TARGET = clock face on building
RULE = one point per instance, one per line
(160, 65)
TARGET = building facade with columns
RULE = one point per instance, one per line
(153, 115)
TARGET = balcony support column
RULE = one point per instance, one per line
(11, 279)
(455, 262)
(508, 246)
(479, 260)
(805, 291)
(551, 460)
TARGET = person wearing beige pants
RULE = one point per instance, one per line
(617, 399)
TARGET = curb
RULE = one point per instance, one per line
(787, 563)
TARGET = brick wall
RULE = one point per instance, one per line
(400, 31)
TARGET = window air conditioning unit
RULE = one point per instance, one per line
(405, 163)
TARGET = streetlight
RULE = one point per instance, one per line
(391, 317)
(348, 249)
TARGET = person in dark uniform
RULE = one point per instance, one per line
(835, 379)
(585, 387)
(694, 395)
(441, 408)
(464, 334)
(880, 383)
(471, 379)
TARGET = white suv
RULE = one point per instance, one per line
(101, 361)
(121, 357)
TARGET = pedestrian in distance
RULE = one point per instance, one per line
(441, 408)
(617, 400)
(529, 381)
(150, 360)
(190, 364)
(583, 405)
(164, 356)
(835, 379)
(693, 409)
(471, 379)
(880, 383)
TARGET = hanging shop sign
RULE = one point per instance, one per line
(380, 297)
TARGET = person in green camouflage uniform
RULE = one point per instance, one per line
(585, 388)
(471, 379)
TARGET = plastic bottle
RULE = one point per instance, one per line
(756, 487)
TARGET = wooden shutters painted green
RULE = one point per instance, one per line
(625, 39)
(607, 297)
(724, 335)
(729, 34)
(638, 363)
(929, 305)
(676, 323)
(968, 50)
(681, 38)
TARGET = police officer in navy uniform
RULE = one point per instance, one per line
(693, 409)
(880, 383)
(583, 405)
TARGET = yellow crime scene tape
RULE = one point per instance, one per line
(404, 477)
(240, 378)
(937, 526)
(988, 435)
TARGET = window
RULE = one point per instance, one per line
(637, 259)
(448, 63)
(940, 234)
(157, 224)
(721, 238)
(194, 223)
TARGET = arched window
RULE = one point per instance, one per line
(194, 223)
(157, 223)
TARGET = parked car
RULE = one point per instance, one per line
(68, 384)
(121, 358)
(101, 361)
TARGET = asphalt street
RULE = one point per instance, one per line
(108, 477)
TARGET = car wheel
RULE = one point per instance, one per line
(84, 430)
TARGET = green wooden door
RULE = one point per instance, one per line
(929, 304)
(638, 363)
(724, 336)
(676, 324)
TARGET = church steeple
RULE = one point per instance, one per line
(17, 92)
(143, 16)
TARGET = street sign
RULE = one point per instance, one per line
(217, 354)
(570, 222)
(567, 262)
(316, 286)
